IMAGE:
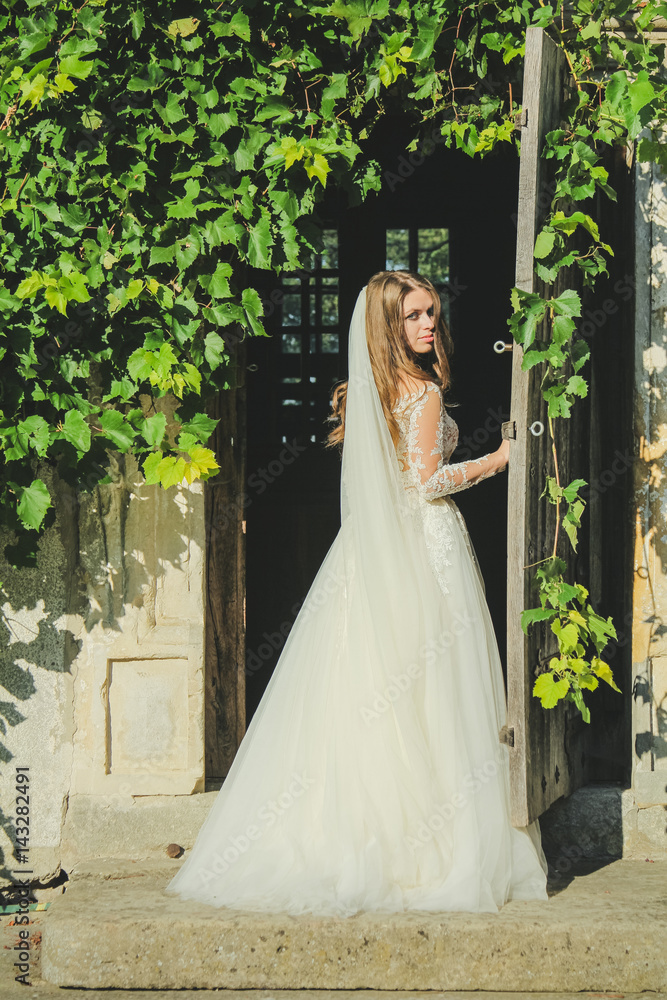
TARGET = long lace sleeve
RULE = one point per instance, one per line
(433, 477)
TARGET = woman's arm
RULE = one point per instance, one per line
(426, 451)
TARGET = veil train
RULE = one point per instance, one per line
(371, 776)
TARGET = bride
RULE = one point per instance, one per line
(371, 776)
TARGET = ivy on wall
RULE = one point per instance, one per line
(149, 160)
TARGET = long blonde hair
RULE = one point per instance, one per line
(390, 353)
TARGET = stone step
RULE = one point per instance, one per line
(602, 930)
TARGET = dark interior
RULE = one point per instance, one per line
(293, 512)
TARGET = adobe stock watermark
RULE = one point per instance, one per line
(259, 481)
(412, 160)
(71, 331)
(610, 476)
(103, 124)
(273, 643)
(604, 842)
(275, 298)
(427, 656)
(445, 812)
(480, 437)
(593, 320)
(267, 816)
(317, 596)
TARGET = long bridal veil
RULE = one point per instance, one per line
(371, 776)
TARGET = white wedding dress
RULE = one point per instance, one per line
(371, 776)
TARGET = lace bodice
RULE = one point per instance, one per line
(428, 436)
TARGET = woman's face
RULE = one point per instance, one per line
(418, 320)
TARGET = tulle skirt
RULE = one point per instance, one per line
(367, 785)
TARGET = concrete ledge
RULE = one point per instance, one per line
(603, 931)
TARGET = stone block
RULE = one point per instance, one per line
(130, 827)
(586, 824)
(603, 932)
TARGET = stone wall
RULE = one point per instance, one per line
(105, 666)
(646, 820)
(36, 704)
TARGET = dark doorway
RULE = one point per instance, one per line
(453, 218)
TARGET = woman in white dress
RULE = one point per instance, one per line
(371, 776)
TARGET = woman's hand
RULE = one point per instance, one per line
(503, 454)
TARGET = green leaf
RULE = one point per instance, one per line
(237, 25)
(200, 426)
(56, 300)
(562, 328)
(570, 491)
(591, 30)
(318, 168)
(202, 465)
(116, 428)
(191, 377)
(214, 350)
(162, 255)
(153, 428)
(603, 671)
(186, 441)
(73, 66)
(30, 285)
(138, 365)
(186, 254)
(76, 431)
(641, 92)
(549, 690)
(151, 466)
(577, 385)
(571, 531)
(33, 90)
(172, 471)
(601, 630)
(577, 697)
(37, 432)
(259, 242)
(568, 303)
(568, 636)
(33, 504)
(531, 615)
(217, 284)
(253, 308)
(544, 243)
(532, 358)
(184, 26)
(172, 111)
(137, 22)
(568, 223)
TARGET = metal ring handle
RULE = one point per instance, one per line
(500, 347)
(536, 428)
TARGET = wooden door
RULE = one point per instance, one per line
(225, 718)
(547, 755)
(292, 487)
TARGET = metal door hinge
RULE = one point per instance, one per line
(507, 735)
(508, 429)
(521, 118)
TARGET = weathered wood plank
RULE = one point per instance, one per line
(225, 721)
(546, 758)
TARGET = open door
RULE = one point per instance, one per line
(225, 718)
(547, 747)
